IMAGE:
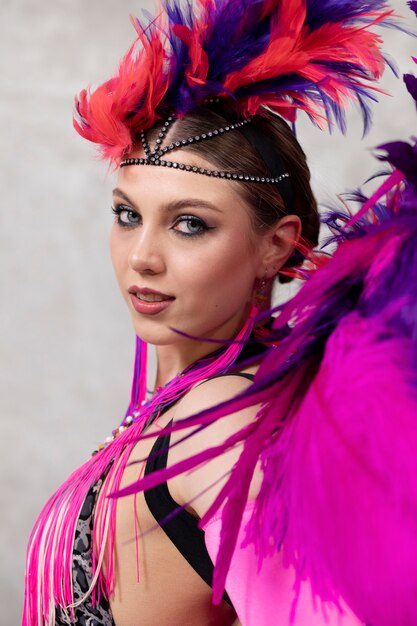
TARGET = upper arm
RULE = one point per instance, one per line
(202, 485)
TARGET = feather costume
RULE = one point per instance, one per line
(287, 55)
(337, 434)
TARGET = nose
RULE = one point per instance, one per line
(146, 253)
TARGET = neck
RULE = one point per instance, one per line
(174, 358)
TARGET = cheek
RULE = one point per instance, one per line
(117, 253)
(222, 274)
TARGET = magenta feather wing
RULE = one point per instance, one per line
(351, 475)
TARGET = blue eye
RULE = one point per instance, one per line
(190, 226)
(125, 217)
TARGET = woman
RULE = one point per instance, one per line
(190, 255)
(211, 200)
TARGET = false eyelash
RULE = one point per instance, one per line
(117, 210)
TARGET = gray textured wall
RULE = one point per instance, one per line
(66, 340)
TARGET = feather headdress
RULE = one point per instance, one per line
(284, 54)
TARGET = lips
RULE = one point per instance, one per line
(149, 301)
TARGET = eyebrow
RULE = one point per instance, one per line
(175, 205)
(121, 194)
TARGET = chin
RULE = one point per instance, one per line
(159, 335)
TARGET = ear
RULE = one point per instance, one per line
(278, 244)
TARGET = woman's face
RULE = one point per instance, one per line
(184, 252)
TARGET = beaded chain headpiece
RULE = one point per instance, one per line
(153, 157)
(273, 162)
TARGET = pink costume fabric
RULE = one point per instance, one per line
(264, 595)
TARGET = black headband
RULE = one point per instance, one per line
(273, 161)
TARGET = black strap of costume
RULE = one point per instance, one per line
(180, 526)
(273, 161)
(241, 374)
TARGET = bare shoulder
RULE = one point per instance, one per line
(209, 394)
(214, 390)
(210, 476)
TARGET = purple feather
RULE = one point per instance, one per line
(411, 84)
(413, 6)
(403, 156)
(231, 48)
(320, 12)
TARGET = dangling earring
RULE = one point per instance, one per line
(260, 295)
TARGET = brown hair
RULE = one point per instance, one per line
(233, 152)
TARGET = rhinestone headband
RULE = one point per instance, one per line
(202, 170)
(153, 157)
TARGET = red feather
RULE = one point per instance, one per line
(293, 49)
(103, 112)
(197, 72)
